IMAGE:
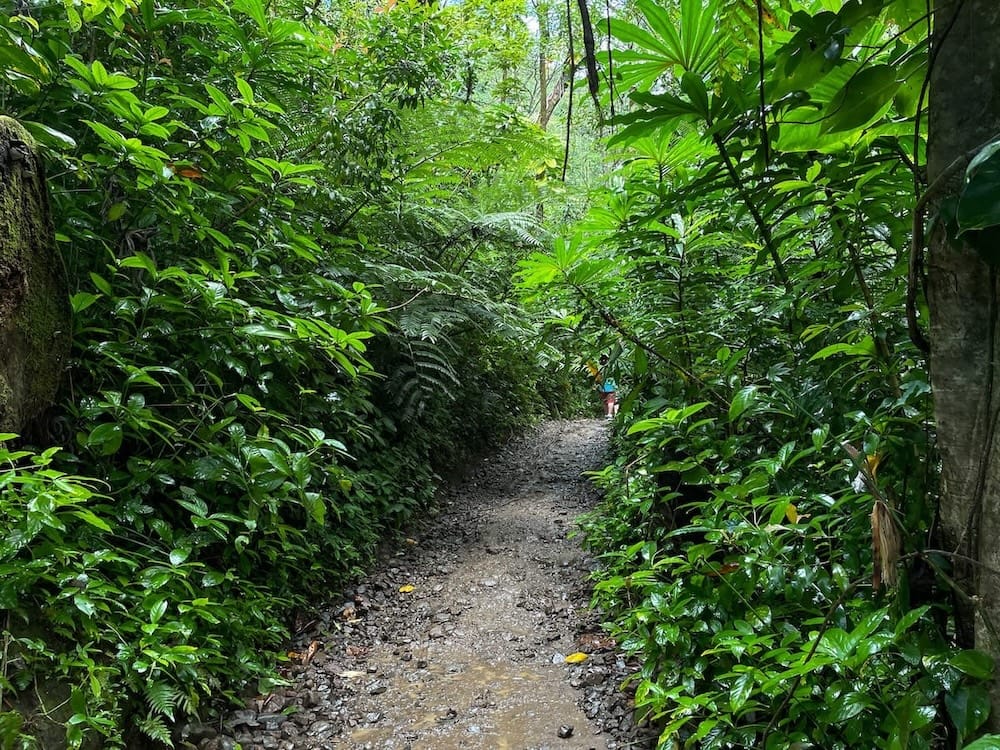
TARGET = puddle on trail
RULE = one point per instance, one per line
(476, 705)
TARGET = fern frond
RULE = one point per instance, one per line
(162, 698)
(427, 375)
(155, 728)
(521, 225)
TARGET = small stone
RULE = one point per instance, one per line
(321, 729)
(565, 731)
(373, 717)
(450, 715)
(195, 733)
(312, 698)
(241, 718)
(272, 721)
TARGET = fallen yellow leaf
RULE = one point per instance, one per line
(576, 657)
(407, 588)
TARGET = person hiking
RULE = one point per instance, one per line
(608, 389)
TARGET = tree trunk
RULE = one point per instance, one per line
(555, 96)
(965, 321)
(34, 310)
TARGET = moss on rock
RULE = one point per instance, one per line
(34, 307)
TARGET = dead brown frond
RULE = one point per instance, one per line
(885, 546)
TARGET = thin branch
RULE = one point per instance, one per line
(569, 112)
(611, 61)
(955, 556)
(762, 226)
(628, 335)
(407, 303)
(590, 55)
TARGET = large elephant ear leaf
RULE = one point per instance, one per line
(864, 98)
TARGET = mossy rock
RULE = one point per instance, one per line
(34, 306)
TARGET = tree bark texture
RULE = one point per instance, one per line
(34, 309)
(964, 299)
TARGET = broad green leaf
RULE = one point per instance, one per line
(801, 130)
(10, 725)
(632, 34)
(978, 207)
(253, 8)
(837, 643)
(106, 438)
(847, 706)
(82, 300)
(910, 619)
(85, 605)
(862, 99)
(987, 742)
(158, 609)
(116, 211)
(974, 663)
(865, 349)
(694, 87)
(49, 136)
(268, 332)
(89, 517)
(743, 400)
(245, 91)
(741, 689)
(968, 706)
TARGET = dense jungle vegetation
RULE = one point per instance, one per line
(320, 253)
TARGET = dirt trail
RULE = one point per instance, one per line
(473, 656)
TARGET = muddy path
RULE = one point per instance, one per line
(460, 639)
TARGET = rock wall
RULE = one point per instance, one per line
(34, 307)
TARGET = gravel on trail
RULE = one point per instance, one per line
(460, 638)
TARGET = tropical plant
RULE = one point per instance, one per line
(768, 527)
(281, 337)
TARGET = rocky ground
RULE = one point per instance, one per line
(460, 639)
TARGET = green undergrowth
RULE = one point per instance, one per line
(742, 576)
(771, 554)
(290, 317)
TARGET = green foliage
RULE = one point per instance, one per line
(776, 469)
(282, 334)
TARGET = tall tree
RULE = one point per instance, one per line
(965, 312)
(34, 313)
